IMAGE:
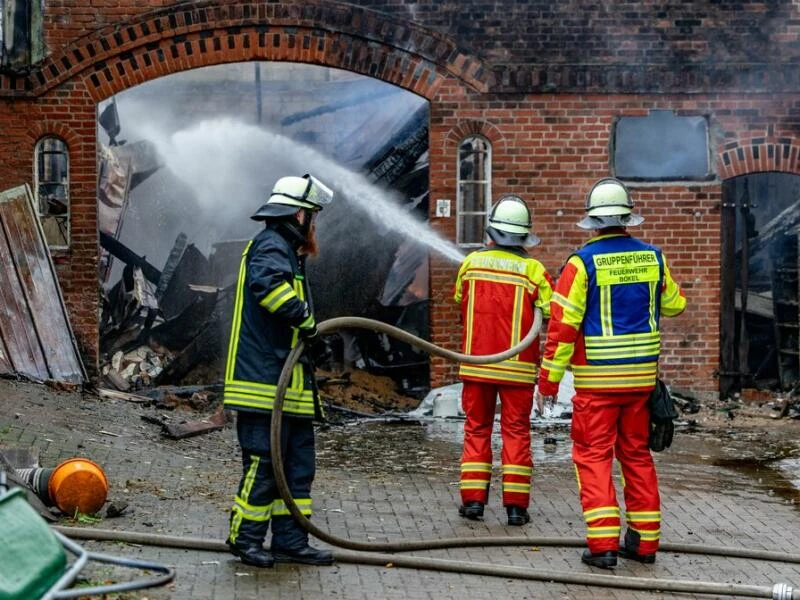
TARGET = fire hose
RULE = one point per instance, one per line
(382, 553)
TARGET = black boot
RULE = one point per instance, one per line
(517, 515)
(604, 560)
(471, 510)
(630, 549)
(253, 554)
(307, 555)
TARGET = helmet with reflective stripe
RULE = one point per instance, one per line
(609, 204)
(290, 194)
(510, 223)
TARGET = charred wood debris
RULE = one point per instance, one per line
(157, 326)
(164, 329)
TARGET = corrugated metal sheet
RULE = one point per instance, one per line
(36, 339)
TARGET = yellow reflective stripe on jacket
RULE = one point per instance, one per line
(516, 318)
(470, 317)
(672, 302)
(249, 394)
(517, 280)
(236, 326)
(623, 346)
(653, 295)
(628, 339)
(501, 266)
(278, 297)
(308, 323)
(602, 512)
(561, 358)
(573, 306)
(606, 318)
(564, 303)
(615, 376)
(507, 370)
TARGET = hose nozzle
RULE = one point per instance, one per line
(783, 591)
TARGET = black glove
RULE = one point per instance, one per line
(662, 412)
(661, 435)
(315, 346)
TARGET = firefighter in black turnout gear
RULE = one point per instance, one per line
(273, 310)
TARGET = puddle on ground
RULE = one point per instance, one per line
(735, 463)
(752, 458)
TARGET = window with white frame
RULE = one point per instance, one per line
(474, 189)
(52, 190)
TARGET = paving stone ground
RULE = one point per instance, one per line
(383, 481)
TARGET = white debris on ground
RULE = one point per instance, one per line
(445, 402)
(137, 368)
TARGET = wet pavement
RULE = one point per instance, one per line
(398, 480)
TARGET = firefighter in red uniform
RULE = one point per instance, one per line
(498, 288)
(605, 323)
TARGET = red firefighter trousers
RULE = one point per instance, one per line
(478, 400)
(605, 426)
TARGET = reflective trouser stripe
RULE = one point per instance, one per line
(476, 467)
(648, 535)
(279, 508)
(603, 532)
(602, 522)
(474, 484)
(241, 509)
(601, 512)
(519, 488)
(648, 516)
(517, 480)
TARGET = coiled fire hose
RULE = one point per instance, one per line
(381, 553)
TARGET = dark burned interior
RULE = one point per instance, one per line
(760, 345)
(166, 322)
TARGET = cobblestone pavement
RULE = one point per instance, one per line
(394, 481)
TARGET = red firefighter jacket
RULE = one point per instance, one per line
(498, 289)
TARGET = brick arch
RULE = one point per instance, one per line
(205, 33)
(759, 155)
(55, 129)
(474, 127)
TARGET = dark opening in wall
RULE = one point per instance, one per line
(760, 322)
(661, 146)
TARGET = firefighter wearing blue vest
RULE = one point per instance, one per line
(604, 322)
(272, 311)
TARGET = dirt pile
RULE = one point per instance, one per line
(361, 392)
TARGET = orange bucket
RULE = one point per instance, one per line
(79, 485)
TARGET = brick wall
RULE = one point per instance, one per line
(542, 81)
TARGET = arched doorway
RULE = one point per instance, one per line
(186, 159)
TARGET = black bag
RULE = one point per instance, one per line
(662, 412)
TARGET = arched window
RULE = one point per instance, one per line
(52, 190)
(474, 189)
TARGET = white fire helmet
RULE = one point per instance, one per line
(289, 194)
(510, 223)
(609, 204)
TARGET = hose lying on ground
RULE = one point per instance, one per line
(375, 553)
